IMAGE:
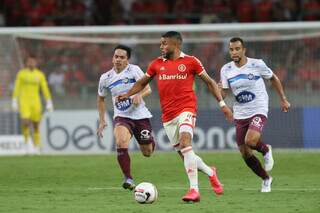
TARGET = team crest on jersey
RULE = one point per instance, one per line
(182, 67)
(125, 80)
(162, 68)
(250, 76)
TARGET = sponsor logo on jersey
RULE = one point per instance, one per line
(173, 77)
(245, 97)
(124, 104)
(182, 67)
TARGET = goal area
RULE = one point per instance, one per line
(73, 58)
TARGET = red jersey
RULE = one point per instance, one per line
(175, 84)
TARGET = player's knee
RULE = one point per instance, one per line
(121, 143)
(147, 152)
(251, 142)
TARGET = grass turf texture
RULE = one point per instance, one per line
(93, 184)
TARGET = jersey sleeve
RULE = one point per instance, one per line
(197, 66)
(17, 85)
(102, 88)
(138, 73)
(264, 70)
(44, 87)
(224, 79)
(151, 71)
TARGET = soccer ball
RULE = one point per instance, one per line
(145, 193)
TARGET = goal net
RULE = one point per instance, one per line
(82, 54)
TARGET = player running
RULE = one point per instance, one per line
(244, 77)
(175, 73)
(131, 117)
(26, 99)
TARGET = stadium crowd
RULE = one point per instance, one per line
(119, 12)
(70, 71)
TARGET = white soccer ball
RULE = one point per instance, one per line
(145, 193)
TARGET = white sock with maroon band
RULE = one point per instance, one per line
(190, 164)
(203, 167)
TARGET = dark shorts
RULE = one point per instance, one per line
(140, 129)
(256, 123)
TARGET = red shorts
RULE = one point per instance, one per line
(256, 123)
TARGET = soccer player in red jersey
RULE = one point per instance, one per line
(175, 73)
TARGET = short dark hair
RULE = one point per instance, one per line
(235, 39)
(173, 34)
(125, 48)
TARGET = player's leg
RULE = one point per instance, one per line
(123, 135)
(25, 128)
(252, 162)
(25, 116)
(253, 139)
(177, 138)
(142, 131)
(36, 114)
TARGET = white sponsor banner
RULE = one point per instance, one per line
(74, 132)
(12, 145)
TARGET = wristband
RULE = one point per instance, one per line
(222, 103)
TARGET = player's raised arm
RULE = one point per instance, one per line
(215, 91)
(276, 83)
(102, 112)
(137, 87)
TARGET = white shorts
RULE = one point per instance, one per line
(185, 122)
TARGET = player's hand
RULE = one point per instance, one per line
(136, 100)
(122, 97)
(227, 113)
(285, 105)
(49, 106)
(100, 129)
(14, 105)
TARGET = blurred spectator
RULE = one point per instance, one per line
(311, 10)
(56, 82)
(263, 11)
(244, 11)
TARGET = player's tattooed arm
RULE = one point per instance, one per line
(215, 91)
(136, 100)
(137, 87)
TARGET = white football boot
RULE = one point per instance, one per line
(268, 159)
(266, 185)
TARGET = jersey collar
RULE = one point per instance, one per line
(182, 55)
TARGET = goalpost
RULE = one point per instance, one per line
(81, 54)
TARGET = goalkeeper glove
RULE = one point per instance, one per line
(14, 105)
(49, 106)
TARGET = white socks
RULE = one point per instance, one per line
(190, 164)
(203, 167)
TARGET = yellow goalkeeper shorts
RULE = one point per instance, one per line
(31, 112)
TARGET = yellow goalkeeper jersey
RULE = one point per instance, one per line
(27, 87)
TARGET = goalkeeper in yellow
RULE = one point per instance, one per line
(26, 99)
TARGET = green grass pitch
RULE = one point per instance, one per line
(91, 183)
